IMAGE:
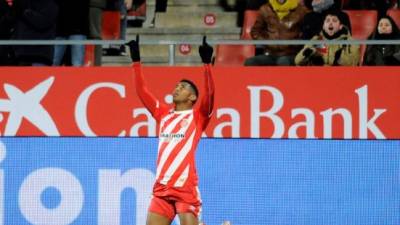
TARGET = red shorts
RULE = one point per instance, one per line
(169, 201)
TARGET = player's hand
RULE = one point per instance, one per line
(134, 49)
(205, 51)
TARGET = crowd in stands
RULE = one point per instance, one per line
(379, 55)
(321, 20)
(54, 20)
(333, 55)
(277, 20)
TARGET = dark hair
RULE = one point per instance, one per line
(192, 85)
(395, 29)
(338, 13)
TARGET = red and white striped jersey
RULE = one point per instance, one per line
(179, 132)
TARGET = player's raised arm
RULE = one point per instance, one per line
(207, 102)
(147, 98)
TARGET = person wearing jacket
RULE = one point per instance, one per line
(72, 24)
(277, 20)
(35, 20)
(333, 55)
(314, 20)
(96, 8)
(384, 55)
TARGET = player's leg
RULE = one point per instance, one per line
(161, 212)
(156, 219)
(188, 207)
(188, 213)
(188, 219)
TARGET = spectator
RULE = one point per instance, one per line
(137, 11)
(125, 5)
(96, 8)
(337, 55)
(161, 6)
(384, 55)
(72, 26)
(35, 20)
(313, 20)
(277, 20)
(6, 26)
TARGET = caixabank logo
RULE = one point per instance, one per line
(27, 105)
(96, 102)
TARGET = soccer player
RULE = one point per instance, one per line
(175, 191)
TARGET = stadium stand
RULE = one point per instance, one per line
(110, 31)
(395, 14)
(250, 17)
(235, 55)
(183, 21)
(187, 20)
(138, 13)
(363, 23)
(111, 27)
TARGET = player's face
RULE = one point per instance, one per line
(384, 26)
(183, 93)
(332, 25)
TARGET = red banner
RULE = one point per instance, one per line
(270, 102)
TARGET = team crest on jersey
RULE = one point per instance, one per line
(184, 123)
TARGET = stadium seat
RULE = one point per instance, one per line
(363, 22)
(111, 25)
(233, 55)
(250, 17)
(363, 48)
(139, 13)
(89, 55)
(395, 14)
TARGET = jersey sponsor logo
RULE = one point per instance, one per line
(171, 137)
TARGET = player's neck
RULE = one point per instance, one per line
(183, 106)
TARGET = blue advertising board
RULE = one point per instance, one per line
(108, 181)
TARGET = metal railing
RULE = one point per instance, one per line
(172, 44)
